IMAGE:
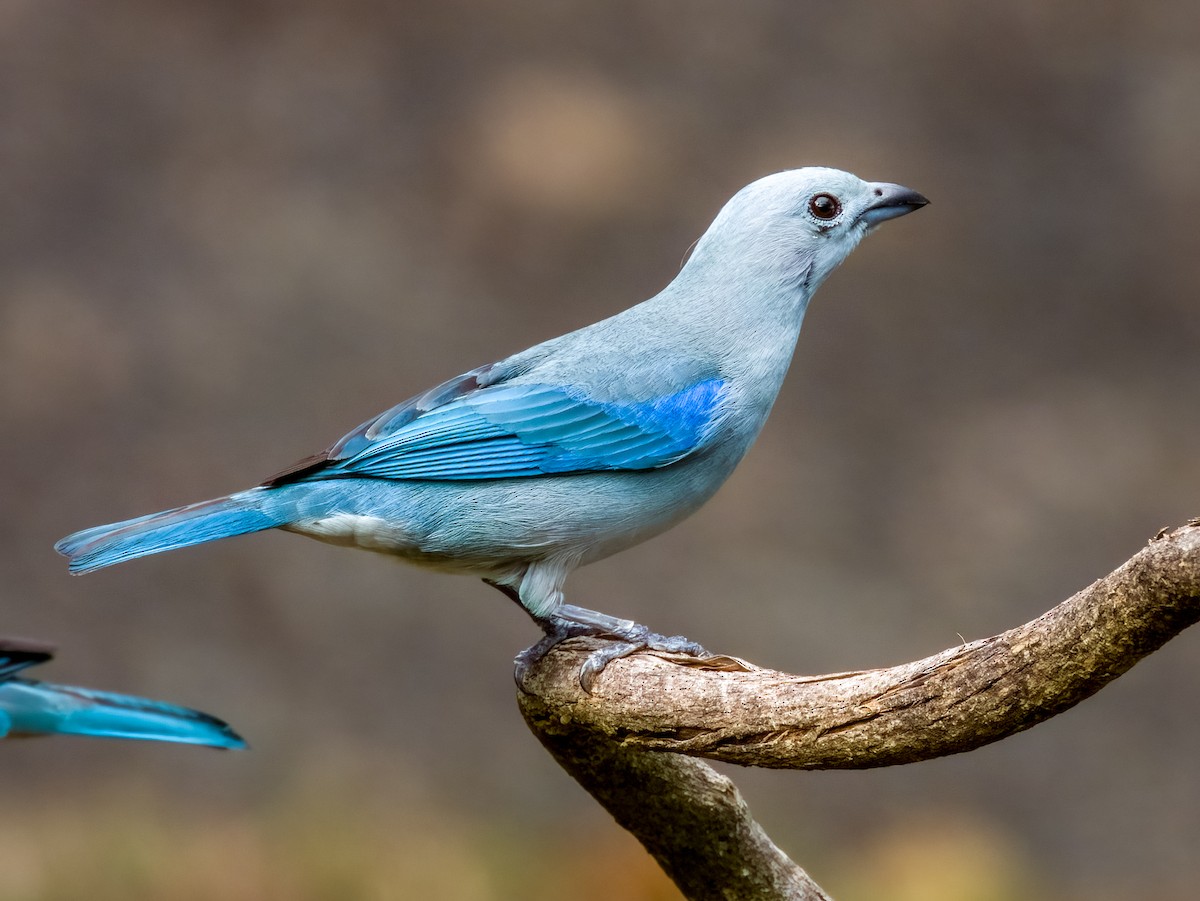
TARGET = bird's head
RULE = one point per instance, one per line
(800, 224)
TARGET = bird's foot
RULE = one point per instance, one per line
(644, 640)
(625, 637)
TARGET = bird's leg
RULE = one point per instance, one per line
(507, 590)
(556, 633)
(568, 621)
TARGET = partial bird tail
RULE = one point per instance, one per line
(28, 707)
(221, 517)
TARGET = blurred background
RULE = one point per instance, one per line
(233, 231)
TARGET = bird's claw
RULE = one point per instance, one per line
(526, 660)
(646, 641)
(622, 640)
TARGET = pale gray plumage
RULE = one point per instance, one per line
(578, 447)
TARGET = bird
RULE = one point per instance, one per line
(522, 470)
(29, 707)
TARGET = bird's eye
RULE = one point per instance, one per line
(825, 206)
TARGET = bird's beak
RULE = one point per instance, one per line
(891, 201)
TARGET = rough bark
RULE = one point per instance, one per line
(693, 820)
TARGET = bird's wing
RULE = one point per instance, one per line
(467, 429)
(17, 654)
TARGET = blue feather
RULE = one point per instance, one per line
(29, 707)
(182, 527)
(514, 431)
(16, 655)
(40, 708)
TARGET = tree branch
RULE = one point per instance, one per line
(692, 819)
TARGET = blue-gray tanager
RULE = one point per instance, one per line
(524, 469)
(29, 708)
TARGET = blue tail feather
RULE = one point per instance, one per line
(28, 707)
(221, 517)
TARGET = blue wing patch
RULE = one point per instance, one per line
(514, 431)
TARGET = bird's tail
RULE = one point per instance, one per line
(221, 517)
(28, 707)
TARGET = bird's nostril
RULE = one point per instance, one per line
(879, 192)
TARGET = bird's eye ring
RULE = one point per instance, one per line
(825, 206)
